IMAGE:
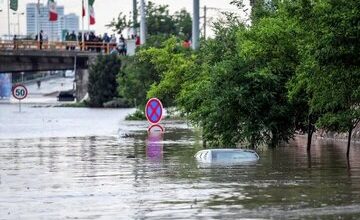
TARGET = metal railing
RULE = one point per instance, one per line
(99, 47)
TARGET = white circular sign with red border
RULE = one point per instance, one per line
(19, 91)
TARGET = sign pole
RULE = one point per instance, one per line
(19, 92)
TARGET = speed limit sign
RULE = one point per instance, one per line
(19, 91)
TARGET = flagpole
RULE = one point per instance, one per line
(82, 32)
(38, 23)
(8, 10)
(88, 16)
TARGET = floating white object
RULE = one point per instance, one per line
(226, 156)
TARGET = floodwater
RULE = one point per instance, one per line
(79, 163)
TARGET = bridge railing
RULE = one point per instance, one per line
(51, 45)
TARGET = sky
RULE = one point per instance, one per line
(105, 11)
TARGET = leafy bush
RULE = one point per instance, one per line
(102, 80)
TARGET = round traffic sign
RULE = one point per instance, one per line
(154, 110)
(19, 91)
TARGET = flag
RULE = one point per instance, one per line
(83, 8)
(52, 10)
(91, 12)
(14, 5)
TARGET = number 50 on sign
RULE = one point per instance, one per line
(19, 92)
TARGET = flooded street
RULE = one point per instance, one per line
(80, 163)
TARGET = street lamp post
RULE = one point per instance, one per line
(8, 2)
(18, 20)
(142, 23)
(195, 24)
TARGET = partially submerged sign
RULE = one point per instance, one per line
(154, 110)
(154, 113)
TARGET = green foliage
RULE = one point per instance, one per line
(183, 24)
(173, 62)
(138, 115)
(259, 8)
(135, 79)
(329, 70)
(296, 65)
(120, 23)
(159, 22)
(102, 79)
(74, 105)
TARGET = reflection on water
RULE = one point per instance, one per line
(154, 146)
(91, 176)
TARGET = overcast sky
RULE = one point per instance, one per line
(105, 11)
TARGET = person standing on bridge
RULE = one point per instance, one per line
(72, 38)
(40, 40)
(15, 42)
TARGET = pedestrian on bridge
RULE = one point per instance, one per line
(15, 42)
(40, 35)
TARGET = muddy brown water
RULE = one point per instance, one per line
(78, 163)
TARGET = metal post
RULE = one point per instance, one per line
(38, 23)
(134, 16)
(8, 1)
(195, 26)
(88, 16)
(18, 24)
(82, 32)
(75, 64)
(142, 23)
(205, 22)
(52, 35)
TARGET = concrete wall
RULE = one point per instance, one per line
(81, 80)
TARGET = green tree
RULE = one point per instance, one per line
(330, 63)
(135, 79)
(173, 62)
(269, 50)
(102, 79)
(159, 22)
(119, 24)
(301, 12)
(183, 24)
(235, 87)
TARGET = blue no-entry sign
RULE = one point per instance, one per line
(154, 110)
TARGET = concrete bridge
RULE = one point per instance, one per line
(45, 60)
(26, 57)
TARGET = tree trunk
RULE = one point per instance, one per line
(274, 139)
(252, 141)
(311, 129)
(349, 141)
